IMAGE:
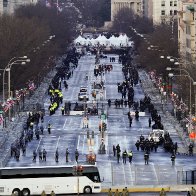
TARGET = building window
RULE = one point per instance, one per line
(162, 12)
(171, 3)
(188, 43)
(175, 3)
(5, 2)
(171, 12)
(188, 29)
(162, 3)
(175, 12)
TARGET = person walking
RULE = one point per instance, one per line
(76, 155)
(130, 156)
(118, 156)
(173, 157)
(124, 155)
(149, 122)
(34, 155)
(63, 110)
(57, 156)
(114, 150)
(146, 158)
(49, 128)
(44, 155)
(67, 155)
(40, 155)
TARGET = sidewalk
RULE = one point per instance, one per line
(165, 110)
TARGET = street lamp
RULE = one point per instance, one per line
(19, 60)
(192, 82)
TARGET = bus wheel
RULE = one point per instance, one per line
(25, 192)
(87, 190)
(16, 191)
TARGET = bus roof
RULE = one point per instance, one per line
(48, 166)
(45, 170)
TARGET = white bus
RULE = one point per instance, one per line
(24, 181)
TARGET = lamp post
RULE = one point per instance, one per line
(11, 62)
(191, 82)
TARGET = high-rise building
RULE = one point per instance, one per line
(187, 30)
(116, 5)
(8, 6)
(160, 10)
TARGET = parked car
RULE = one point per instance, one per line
(82, 95)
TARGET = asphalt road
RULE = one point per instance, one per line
(68, 132)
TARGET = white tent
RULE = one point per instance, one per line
(122, 40)
(79, 40)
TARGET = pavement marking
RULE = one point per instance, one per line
(124, 174)
(38, 144)
(155, 173)
(131, 174)
(83, 144)
(78, 141)
(57, 142)
(64, 124)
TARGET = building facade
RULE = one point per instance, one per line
(116, 5)
(161, 10)
(8, 6)
(187, 30)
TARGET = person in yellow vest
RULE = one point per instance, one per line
(162, 193)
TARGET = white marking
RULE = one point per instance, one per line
(38, 144)
(83, 144)
(155, 173)
(78, 141)
(64, 124)
(124, 174)
(57, 142)
(131, 173)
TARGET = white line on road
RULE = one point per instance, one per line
(78, 141)
(57, 142)
(64, 124)
(124, 174)
(83, 144)
(38, 144)
(157, 179)
(131, 174)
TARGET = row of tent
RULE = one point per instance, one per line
(121, 41)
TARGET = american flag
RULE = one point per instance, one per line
(8, 105)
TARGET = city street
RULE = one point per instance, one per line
(68, 132)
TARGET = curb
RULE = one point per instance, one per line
(174, 188)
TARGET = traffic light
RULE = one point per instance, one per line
(93, 135)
